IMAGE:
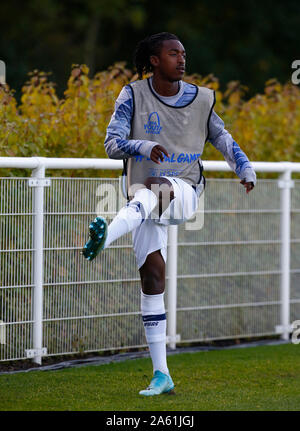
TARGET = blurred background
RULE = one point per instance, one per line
(235, 40)
(67, 61)
(229, 274)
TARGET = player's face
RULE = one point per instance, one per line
(170, 63)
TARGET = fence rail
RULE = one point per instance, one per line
(239, 276)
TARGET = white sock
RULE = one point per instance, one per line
(154, 319)
(158, 353)
(132, 215)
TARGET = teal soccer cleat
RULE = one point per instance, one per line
(98, 234)
(160, 384)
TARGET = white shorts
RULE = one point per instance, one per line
(152, 234)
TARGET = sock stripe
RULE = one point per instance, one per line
(151, 317)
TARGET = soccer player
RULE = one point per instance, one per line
(159, 128)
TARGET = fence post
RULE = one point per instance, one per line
(37, 182)
(172, 285)
(285, 184)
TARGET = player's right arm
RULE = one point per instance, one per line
(117, 145)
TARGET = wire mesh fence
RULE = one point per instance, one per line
(228, 271)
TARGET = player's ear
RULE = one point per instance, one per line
(154, 60)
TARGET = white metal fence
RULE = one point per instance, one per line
(239, 276)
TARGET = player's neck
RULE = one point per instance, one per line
(165, 88)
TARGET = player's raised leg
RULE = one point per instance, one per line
(128, 218)
(157, 192)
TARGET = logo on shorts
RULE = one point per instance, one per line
(153, 124)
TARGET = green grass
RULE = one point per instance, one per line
(255, 378)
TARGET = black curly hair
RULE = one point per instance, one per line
(149, 46)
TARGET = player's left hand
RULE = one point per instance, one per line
(248, 185)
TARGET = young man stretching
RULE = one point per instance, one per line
(159, 129)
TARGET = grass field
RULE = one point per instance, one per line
(255, 378)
